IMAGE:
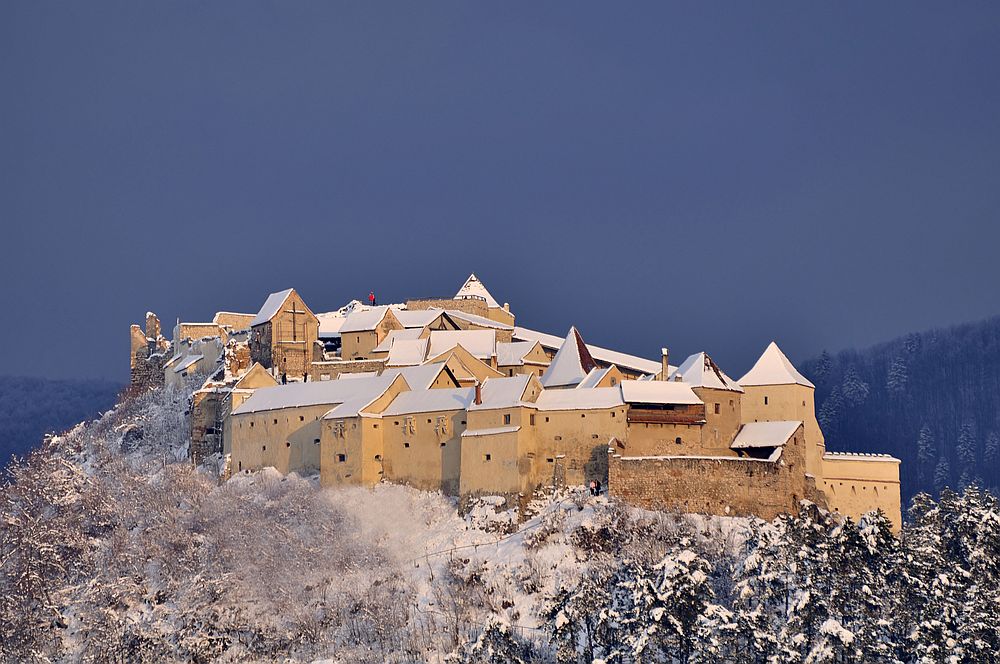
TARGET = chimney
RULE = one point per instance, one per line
(479, 393)
(506, 307)
(665, 369)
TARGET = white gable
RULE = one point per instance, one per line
(699, 370)
(473, 288)
(271, 306)
(571, 364)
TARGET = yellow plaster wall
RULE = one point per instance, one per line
(855, 487)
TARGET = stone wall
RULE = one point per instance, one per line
(728, 487)
(469, 306)
(331, 370)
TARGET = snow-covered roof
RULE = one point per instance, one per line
(351, 407)
(480, 343)
(407, 352)
(271, 307)
(187, 362)
(482, 321)
(571, 364)
(330, 324)
(386, 345)
(773, 368)
(350, 375)
(471, 433)
(294, 395)
(599, 397)
(658, 391)
(512, 354)
(428, 401)
(364, 320)
(622, 360)
(699, 370)
(502, 392)
(594, 378)
(416, 318)
(764, 434)
(473, 288)
(419, 377)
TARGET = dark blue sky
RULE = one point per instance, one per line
(706, 176)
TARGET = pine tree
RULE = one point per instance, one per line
(926, 448)
(942, 474)
(991, 451)
(897, 377)
(829, 412)
(966, 448)
(823, 367)
(496, 645)
(854, 389)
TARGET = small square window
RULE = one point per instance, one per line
(302, 418)
(263, 448)
(341, 458)
(444, 443)
(406, 444)
(487, 457)
(550, 460)
(275, 420)
(288, 444)
(506, 418)
(316, 441)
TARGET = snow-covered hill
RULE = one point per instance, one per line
(114, 548)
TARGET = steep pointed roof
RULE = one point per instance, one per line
(474, 288)
(271, 306)
(571, 364)
(699, 370)
(773, 368)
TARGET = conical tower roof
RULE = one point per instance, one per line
(474, 288)
(571, 364)
(699, 370)
(773, 368)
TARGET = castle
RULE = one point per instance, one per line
(450, 394)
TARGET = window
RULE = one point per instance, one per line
(612, 414)
(378, 457)
(251, 424)
(546, 419)
(506, 418)
(302, 418)
(406, 444)
(288, 443)
(428, 421)
(614, 381)
(316, 441)
(263, 448)
(717, 407)
(276, 420)
(550, 460)
(677, 440)
(558, 437)
(487, 457)
(444, 443)
(765, 401)
(583, 415)
(531, 419)
(341, 458)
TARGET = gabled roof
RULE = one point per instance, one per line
(255, 373)
(764, 434)
(571, 364)
(597, 398)
(658, 391)
(271, 306)
(330, 324)
(420, 377)
(364, 321)
(428, 401)
(503, 392)
(473, 288)
(773, 368)
(386, 345)
(607, 356)
(699, 370)
(407, 353)
(594, 378)
(416, 318)
(294, 395)
(353, 406)
(476, 320)
(480, 343)
(512, 354)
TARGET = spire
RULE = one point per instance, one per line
(773, 368)
(571, 364)
(473, 288)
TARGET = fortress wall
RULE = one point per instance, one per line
(857, 485)
(728, 487)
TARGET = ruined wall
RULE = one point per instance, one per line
(331, 370)
(475, 307)
(148, 352)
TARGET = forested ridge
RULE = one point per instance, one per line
(931, 399)
(32, 407)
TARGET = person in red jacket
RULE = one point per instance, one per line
(371, 298)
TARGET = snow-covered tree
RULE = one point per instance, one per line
(854, 389)
(496, 645)
(966, 447)
(942, 474)
(896, 379)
